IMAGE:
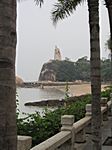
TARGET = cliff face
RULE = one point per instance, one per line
(50, 69)
(56, 70)
(47, 72)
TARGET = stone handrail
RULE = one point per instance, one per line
(72, 133)
(82, 123)
(54, 142)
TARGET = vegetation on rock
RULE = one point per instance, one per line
(67, 70)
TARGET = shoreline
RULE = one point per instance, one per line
(78, 89)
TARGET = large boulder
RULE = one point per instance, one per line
(19, 81)
(47, 72)
(56, 70)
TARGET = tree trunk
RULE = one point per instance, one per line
(8, 135)
(93, 7)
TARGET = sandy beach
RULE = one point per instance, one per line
(78, 89)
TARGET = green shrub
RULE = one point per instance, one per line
(106, 92)
(41, 128)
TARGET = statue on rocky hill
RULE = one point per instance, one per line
(57, 54)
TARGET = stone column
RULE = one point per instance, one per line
(67, 125)
(24, 142)
(88, 114)
(104, 104)
(80, 137)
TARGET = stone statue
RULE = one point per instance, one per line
(57, 54)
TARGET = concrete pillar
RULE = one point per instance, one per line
(88, 110)
(88, 114)
(80, 137)
(67, 125)
(104, 104)
(24, 142)
(67, 122)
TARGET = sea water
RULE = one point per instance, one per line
(35, 94)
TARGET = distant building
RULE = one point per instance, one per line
(57, 54)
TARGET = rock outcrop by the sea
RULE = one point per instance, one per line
(55, 102)
(19, 81)
(49, 69)
(57, 71)
(48, 72)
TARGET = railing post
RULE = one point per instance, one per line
(104, 104)
(88, 114)
(67, 125)
(80, 137)
(24, 142)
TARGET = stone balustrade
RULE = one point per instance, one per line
(72, 133)
(24, 142)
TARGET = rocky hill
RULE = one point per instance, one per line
(68, 71)
(56, 70)
(48, 72)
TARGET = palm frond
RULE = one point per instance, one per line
(39, 2)
(64, 8)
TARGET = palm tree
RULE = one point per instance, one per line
(8, 134)
(7, 75)
(63, 9)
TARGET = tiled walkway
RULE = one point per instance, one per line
(106, 132)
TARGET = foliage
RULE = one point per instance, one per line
(78, 108)
(64, 8)
(40, 128)
(67, 70)
(82, 68)
(39, 2)
(106, 92)
(109, 44)
(43, 127)
(106, 70)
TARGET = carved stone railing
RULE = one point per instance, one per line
(24, 142)
(72, 133)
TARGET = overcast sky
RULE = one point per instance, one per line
(37, 36)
